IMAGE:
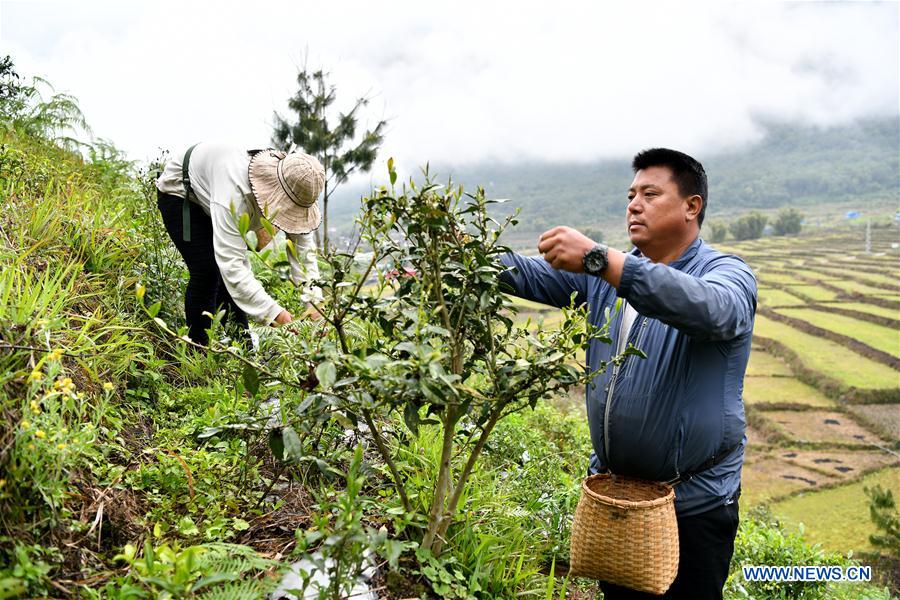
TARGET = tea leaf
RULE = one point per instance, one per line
(293, 448)
(250, 377)
(326, 374)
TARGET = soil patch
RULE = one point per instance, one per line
(843, 464)
(885, 571)
(755, 437)
(273, 532)
(859, 315)
(838, 275)
(819, 426)
(883, 418)
(772, 477)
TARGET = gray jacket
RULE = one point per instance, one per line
(680, 408)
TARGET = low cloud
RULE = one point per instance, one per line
(467, 81)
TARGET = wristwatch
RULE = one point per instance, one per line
(595, 260)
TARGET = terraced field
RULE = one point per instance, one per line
(822, 392)
(829, 359)
(877, 336)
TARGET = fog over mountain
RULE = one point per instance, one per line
(468, 82)
(805, 167)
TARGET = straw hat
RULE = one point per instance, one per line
(286, 188)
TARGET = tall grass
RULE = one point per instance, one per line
(70, 344)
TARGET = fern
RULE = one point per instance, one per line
(240, 590)
(221, 557)
(251, 575)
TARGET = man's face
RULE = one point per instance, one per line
(657, 212)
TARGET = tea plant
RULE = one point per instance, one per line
(446, 350)
(437, 344)
(761, 540)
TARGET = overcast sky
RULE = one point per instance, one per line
(466, 81)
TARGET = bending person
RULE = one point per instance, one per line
(222, 183)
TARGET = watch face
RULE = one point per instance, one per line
(594, 261)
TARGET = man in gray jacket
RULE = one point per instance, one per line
(677, 415)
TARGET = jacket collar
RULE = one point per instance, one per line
(686, 256)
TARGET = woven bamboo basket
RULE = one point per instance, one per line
(625, 533)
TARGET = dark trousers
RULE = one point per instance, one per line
(706, 543)
(205, 289)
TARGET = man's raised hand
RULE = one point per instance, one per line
(564, 248)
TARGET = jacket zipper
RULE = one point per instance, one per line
(612, 387)
(637, 343)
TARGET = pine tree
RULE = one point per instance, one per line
(883, 511)
(331, 139)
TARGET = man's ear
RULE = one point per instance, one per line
(692, 207)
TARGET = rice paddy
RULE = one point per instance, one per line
(830, 357)
(877, 336)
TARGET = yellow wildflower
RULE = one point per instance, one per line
(25, 424)
(40, 434)
(35, 376)
(55, 354)
(65, 385)
(61, 446)
(35, 407)
(2, 483)
(108, 386)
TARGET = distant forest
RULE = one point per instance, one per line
(792, 166)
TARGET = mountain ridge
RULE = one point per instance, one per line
(792, 165)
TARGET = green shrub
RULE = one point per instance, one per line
(718, 231)
(883, 511)
(788, 222)
(748, 227)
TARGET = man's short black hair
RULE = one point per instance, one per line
(687, 172)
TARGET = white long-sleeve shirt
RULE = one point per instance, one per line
(220, 181)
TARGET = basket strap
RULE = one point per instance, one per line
(709, 464)
(188, 192)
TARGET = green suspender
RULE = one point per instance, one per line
(186, 207)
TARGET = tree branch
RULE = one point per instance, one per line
(386, 456)
(445, 469)
(463, 478)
